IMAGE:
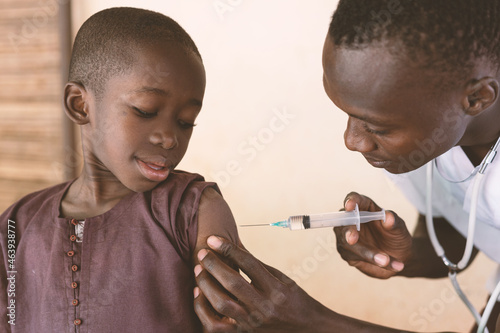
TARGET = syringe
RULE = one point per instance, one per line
(336, 219)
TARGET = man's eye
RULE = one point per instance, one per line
(372, 131)
(145, 114)
(186, 125)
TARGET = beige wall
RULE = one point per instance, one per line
(263, 58)
(31, 149)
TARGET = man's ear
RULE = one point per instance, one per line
(479, 95)
(76, 103)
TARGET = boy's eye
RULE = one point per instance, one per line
(373, 131)
(145, 114)
(186, 125)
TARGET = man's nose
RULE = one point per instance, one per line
(356, 138)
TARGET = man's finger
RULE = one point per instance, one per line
(209, 318)
(364, 203)
(372, 270)
(393, 222)
(250, 265)
(218, 297)
(347, 235)
(279, 275)
(369, 254)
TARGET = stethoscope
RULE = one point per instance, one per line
(477, 175)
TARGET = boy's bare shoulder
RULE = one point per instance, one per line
(215, 218)
(213, 205)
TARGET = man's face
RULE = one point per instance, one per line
(398, 118)
(140, 128)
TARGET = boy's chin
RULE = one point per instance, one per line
(142, 187)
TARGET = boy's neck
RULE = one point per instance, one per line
(88, 196)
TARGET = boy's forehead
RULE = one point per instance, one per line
(162, 60)
(168, 55)
(155, 67)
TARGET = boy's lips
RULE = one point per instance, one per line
(154, 171)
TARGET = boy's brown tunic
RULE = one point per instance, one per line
(132, 271)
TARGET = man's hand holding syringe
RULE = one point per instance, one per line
(365, 247)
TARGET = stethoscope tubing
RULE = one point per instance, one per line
(454, 268)
(469, 246)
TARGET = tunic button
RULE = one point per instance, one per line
(70, 253)
(72, 238)
(75, 302)
(77, 322)
(74, 222)
(74, 285)
(74, 268)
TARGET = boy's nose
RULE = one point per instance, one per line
(166, 139)
(356, 138)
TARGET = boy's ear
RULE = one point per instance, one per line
(479, 95)
(76, 103)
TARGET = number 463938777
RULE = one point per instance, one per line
(11, 243)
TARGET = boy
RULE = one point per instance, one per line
(419, 81)
(113, 250)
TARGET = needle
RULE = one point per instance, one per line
(255, 225)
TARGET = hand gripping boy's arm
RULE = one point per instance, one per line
(272, 303)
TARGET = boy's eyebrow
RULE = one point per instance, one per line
(151, 90)
(161, 92)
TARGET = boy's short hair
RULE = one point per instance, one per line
(106, 43)
(443, 35)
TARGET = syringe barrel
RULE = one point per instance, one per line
(335, 219)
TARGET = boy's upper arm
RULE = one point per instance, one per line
(214, 218)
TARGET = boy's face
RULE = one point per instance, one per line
(140, 128)
(398, 119)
